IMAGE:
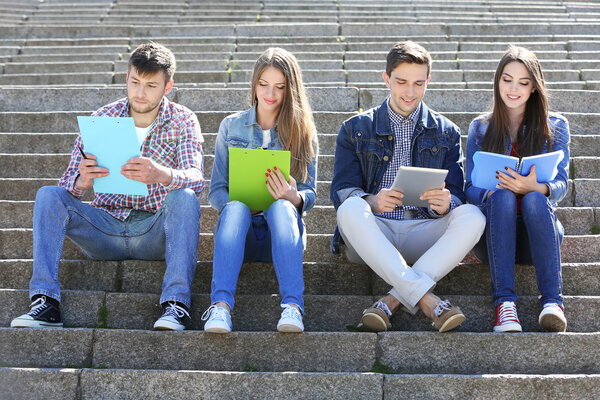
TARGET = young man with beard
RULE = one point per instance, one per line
(162, 225)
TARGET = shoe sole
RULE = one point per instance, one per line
(508, 328)
(374, 322)
(23, 323)
(289, 328)
(452, 323)
(217, 330)
(166, 326)
(552, 323)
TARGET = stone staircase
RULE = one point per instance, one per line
(60, 59)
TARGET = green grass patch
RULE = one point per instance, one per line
(571, 171)
(381, 368)
(250, 368)
(103, 317)
(595, 229)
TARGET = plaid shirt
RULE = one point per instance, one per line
(403, 128)
(174, 141)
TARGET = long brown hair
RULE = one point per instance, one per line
(534, 130)
(296, 127)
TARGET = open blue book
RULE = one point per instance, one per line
(486, 164)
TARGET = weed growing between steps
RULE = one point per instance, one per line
(595, 229)
(249, 367)
(102, 317)
(381, 368)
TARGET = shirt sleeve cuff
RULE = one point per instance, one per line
(177, 180)
(72, 188)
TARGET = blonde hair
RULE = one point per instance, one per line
(296, 127)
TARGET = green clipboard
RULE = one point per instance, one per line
(247, 180)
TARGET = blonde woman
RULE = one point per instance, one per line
(280, 119)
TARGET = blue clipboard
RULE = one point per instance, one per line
(247, 180)
(113, 141)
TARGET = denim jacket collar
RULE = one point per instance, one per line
(426, 120)
(251, 118)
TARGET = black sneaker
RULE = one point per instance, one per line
(173, 317)
(42, 314)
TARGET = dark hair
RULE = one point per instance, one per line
(148, 58)
(534, 130)
(407, 52)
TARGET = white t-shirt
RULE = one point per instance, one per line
(266, 138)
(142, 133)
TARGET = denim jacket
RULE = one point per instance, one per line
(364, 149)
(559, 126)
(242, 130)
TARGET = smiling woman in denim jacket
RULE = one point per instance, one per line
(521, 223)
(280, 119)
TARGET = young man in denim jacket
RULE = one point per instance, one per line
(376, 228)
(162, 225)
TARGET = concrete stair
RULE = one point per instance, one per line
(60, 59)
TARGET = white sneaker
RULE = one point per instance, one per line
(219, 320)
(291, 320)
(552, 318)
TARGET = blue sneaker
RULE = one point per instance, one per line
(218, 320)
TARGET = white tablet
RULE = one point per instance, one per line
(414, 181)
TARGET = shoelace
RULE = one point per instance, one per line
(384, 307)
(219, 313)
(37, 306)
(508, 312)
(173, 310)
(290, 312)
(440, 306)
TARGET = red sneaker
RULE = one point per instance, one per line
(506, 318)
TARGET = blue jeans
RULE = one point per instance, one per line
(142, 236)
(276, 236)
(531, 238)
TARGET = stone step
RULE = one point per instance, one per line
(60, 58)
(476, 100)
(132, 276)
(58, 67)
(17, 244)
(52, 143)
(92, 384)
(327, 122)
(95, 78)
(131, 349)
(322, 99)
(53, 165)
(321, 219)
(257, 313)
(25, 189)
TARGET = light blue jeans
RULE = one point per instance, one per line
(100, 236)
(277, 236)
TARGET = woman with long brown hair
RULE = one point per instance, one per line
(280, 118)
(521, 225)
